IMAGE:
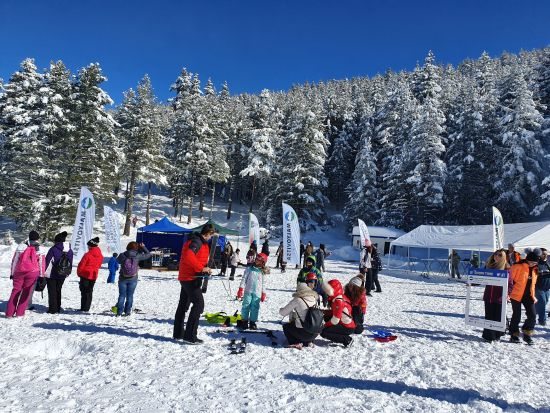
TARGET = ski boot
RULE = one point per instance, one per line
(527, 336)
(242, 324)
(252, 326)
(514, 338)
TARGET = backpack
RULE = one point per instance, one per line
(313, 322)
(129, 268)
(28, 261)
(40, 284)
(63, 266)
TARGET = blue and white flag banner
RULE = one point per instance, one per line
(112, 230)
(291, 236)
(83, 224)
(253, 230)
(498, 230)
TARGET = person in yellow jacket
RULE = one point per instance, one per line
(523, 277)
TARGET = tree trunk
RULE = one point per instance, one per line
(126, 198)
(212, 203)
(201, 202)
(148, 211)
(252, 196)
(230, 200)
(191, 193)
(130, 201)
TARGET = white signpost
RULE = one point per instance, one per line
(484, 277)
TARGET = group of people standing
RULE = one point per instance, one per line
(528, 287)
(30, 268)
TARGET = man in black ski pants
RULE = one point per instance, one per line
(193, 264)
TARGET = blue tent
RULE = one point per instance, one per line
(165, 234)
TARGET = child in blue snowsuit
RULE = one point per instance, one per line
(113, 268)
(252, 292)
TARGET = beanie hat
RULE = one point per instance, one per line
(94, 242)
(262, 257)
(356, 281)
(34, 236)
(532, 256)
(207, 228)
(61, 237)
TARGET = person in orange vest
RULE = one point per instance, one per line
(523, 277)
(512, 256)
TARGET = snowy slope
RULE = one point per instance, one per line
(96, 362)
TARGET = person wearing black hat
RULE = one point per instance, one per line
(193, 264)
(88, 271)
(60, 256)
(523, 275)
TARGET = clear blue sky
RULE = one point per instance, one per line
(262, 43)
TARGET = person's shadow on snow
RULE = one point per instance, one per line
(94, 328)
(450, 395)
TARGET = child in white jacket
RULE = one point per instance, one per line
(252, 292)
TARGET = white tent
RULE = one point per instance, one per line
(476, 237)
(426, 247)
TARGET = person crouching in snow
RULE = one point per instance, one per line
(113, 268)
(356, 293)
(340, 325)
(297, 309)
(252, 292)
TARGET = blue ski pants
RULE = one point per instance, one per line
(251, 307)
(542, 300)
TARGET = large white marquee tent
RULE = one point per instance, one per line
(434, 242)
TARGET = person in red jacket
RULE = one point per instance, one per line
(88, 271)
(193, 264)
(340, 324)
(357, 295)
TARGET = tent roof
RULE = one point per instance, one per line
(477, 237)
(164, 225)
(220, 229)
(380, 232)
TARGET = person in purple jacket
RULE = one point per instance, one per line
(60, 257)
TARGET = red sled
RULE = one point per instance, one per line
(385, 339)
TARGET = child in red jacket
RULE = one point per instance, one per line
(340, 325)
(88, 271)
(356, 293)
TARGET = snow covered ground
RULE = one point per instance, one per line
(96, 362)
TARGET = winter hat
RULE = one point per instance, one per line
(356, 281)
(532, 256)
(208, 229)
(262, 257)
(311, 259)
(333, 288)
(61, 237)
(94, 242)
(34, 236)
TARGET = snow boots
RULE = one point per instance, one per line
(242, 324)
(252, 325)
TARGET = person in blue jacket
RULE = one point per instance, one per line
(113, 268)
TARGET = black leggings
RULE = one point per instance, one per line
(191, 293)
(87, 290)
(529, 324)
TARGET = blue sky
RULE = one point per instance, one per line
(263, 43)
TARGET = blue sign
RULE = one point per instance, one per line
(487, 272)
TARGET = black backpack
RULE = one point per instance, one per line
(64, 266)
(314, 320)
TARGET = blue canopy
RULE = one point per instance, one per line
(164, 225)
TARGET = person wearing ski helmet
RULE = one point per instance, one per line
(297, 309)
(251, 291)
(310, 266)
(340, 325)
